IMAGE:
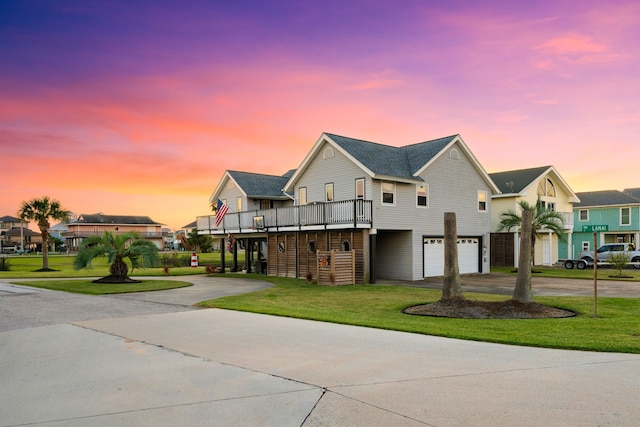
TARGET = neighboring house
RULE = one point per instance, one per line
(385, 203)
(7, 222)
(543, 184)
(96, 224)
(616, 213)
(18, 237)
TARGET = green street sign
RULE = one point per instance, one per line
(594, 228)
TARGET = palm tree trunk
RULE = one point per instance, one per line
(533, 248)
(45, 248)
(119, 267)
(522, 292)
(451, 286)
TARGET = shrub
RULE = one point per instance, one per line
(174, 260)
(5, 265)
(619, 260)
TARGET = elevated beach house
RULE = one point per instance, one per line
(384, 204)
(542, 185)
(614, 214)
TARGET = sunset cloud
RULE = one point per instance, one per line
(139, 108)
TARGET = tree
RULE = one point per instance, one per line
(117, 247)
(41, 211)
(541, 219)
(522, 291)
(199, 242)
(619, 260)
(451, 286)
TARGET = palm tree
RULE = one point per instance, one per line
(541, 219)
(451, 285)
(40, 211)
(117, 247)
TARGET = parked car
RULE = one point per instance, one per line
(605, 251)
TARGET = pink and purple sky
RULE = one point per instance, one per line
(138, 107)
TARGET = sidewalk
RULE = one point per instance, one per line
(223, 368)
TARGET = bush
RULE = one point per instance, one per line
(5, 265)
(174, 260)
(619, 261)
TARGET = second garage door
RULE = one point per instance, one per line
(468, 255)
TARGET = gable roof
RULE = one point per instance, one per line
(259, 185)
(9, 219)
(517, 182)
(26, 232)
(113, 219)
(633, 192)
(605, 198)
(255, 185)
(403, 164)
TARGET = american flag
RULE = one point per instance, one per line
(220, 212)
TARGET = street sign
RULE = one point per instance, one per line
(594, 228)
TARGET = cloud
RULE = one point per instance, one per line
(571, 44)
(574, 49)
(378, 81)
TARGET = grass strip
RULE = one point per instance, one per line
(90, 288)
(617, 328)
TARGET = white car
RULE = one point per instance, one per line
(605, 252)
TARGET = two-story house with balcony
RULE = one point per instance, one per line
(617, 213)
(534, 185)
(96, 224)
(385, 203)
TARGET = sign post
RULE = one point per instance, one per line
(595, 275)
(595, 229)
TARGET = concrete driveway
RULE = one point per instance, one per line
(220, 368)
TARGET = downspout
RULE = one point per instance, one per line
(289, 196)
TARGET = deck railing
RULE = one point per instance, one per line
(83, 234)
(348, 213)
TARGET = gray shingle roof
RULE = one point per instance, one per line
(8, 218)
(261, 185)
(517, 180)
(605, 198)
(633, 192)
(113, 219)
(401, 162)
(15, 232)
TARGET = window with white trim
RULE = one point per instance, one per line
(546, 188)
(625, 216)
(328, 153)
(238, 204)
(482, 201)
(302, 195)
(586, 245)
(328, 192)
(422, 195)
(388, 193)
(360, 189)
(583, 215)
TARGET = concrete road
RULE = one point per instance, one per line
(220, 368)
(25, 307)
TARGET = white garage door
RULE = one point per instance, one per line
(468, 255)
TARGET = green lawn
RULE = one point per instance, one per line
(88, 287)
(617, 328)
(25, 266)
